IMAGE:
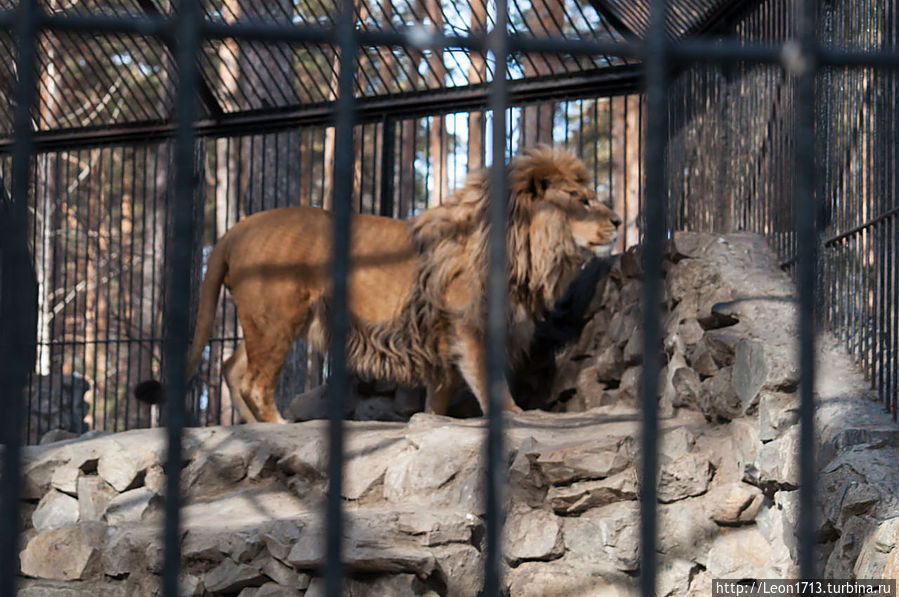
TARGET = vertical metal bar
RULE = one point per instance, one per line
(187, 47)
(16, 302)
(806, 224)
(498, 45)
(388, 164)
(339, 382)
(655, 212)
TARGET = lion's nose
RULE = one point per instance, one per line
(616, 221)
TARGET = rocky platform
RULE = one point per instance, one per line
(413, 490)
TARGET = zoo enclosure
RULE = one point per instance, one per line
(769, 207)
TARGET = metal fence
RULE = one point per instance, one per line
(793, 63)
(729, 165)
(100, 226)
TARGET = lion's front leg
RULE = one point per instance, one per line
(471, 355)
(441, 394)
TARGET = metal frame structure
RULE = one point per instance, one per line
(186, 29)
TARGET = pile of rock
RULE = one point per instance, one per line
(413, 491)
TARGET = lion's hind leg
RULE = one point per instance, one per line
(235, 370)
(471, 359)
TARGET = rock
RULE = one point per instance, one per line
(722, 345)
(777, 413)
(280, 538)
(377, 408)
(629, 387)
(874, 559)
(94, 495)
(609, 535)
(846, 552)
(314, 404)
(231, 577)
(38, 469)
(779, 523)
(673, 576)
(687, 387)
(307, 460)
(122, 468)
(67, 553)
(684, 476)
(687, 529)
(131, 550)
(270, 589)
(750, 373)
(57, 435)
(583, 495)
(565, 463)
(55, 510)
(717, 399)
(284, 575)
(735, 504)
(779, 462)
(722, 315)
(538, 579)
(702, 361)
(633, 349)
(435, 457)
(532, 535)
(131, 506)
(740, 552)
(65, 479)
(369, 456)
(609, 364)
(688, 244)
(408, 401)
(438, 527)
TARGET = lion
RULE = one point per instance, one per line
(416, 288)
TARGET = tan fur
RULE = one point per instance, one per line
(416, 287)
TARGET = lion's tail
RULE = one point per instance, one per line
(151, 391)
(216, 268)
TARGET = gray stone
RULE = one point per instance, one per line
(684, 476)
(65, 479)
(702, 361)
(877, 558)
(122, 468)
(283, 575)
(598, 459)
(314, 404)
(717, 399)
(609, 364)
(230, 576)
(722, 345)
(777, 413)
(94, 495)
(673, 576)
(846, 552)
(280, 537)
(270, 589)
(740, 552)
(308, 459)
(584, 495)
(68, 553)
(532, 535)
(55, 510)
(132, 549)
(57, 435)
(689, 244)
(735, 503)
(633, 349)
(539, 579)
(629, 388)
(376, 408)
(462, 565)
(132, 506)
(438, 527)
(779, 461)
(750, 373)
(687, 387)
(608, 535)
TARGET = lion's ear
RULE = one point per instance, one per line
(539, 183)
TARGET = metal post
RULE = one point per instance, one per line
(339, 384)
(18, 307)
(186, 36)
(806, 228)
(655, 215)
(497, 290)
(388, 165)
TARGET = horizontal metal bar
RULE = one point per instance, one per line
(833, 240)
(606, 81)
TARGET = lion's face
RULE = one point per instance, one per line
(566, 194)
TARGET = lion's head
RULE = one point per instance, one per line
(554, 186)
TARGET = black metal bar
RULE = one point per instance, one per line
(609, 81)
(388, 165)
(17, 288)
(495, 341)
(806, 234)
(339, 383)
(178, 310)
(654, 218)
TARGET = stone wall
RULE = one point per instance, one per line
(727, 481)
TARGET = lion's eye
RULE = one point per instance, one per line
(585, 202)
